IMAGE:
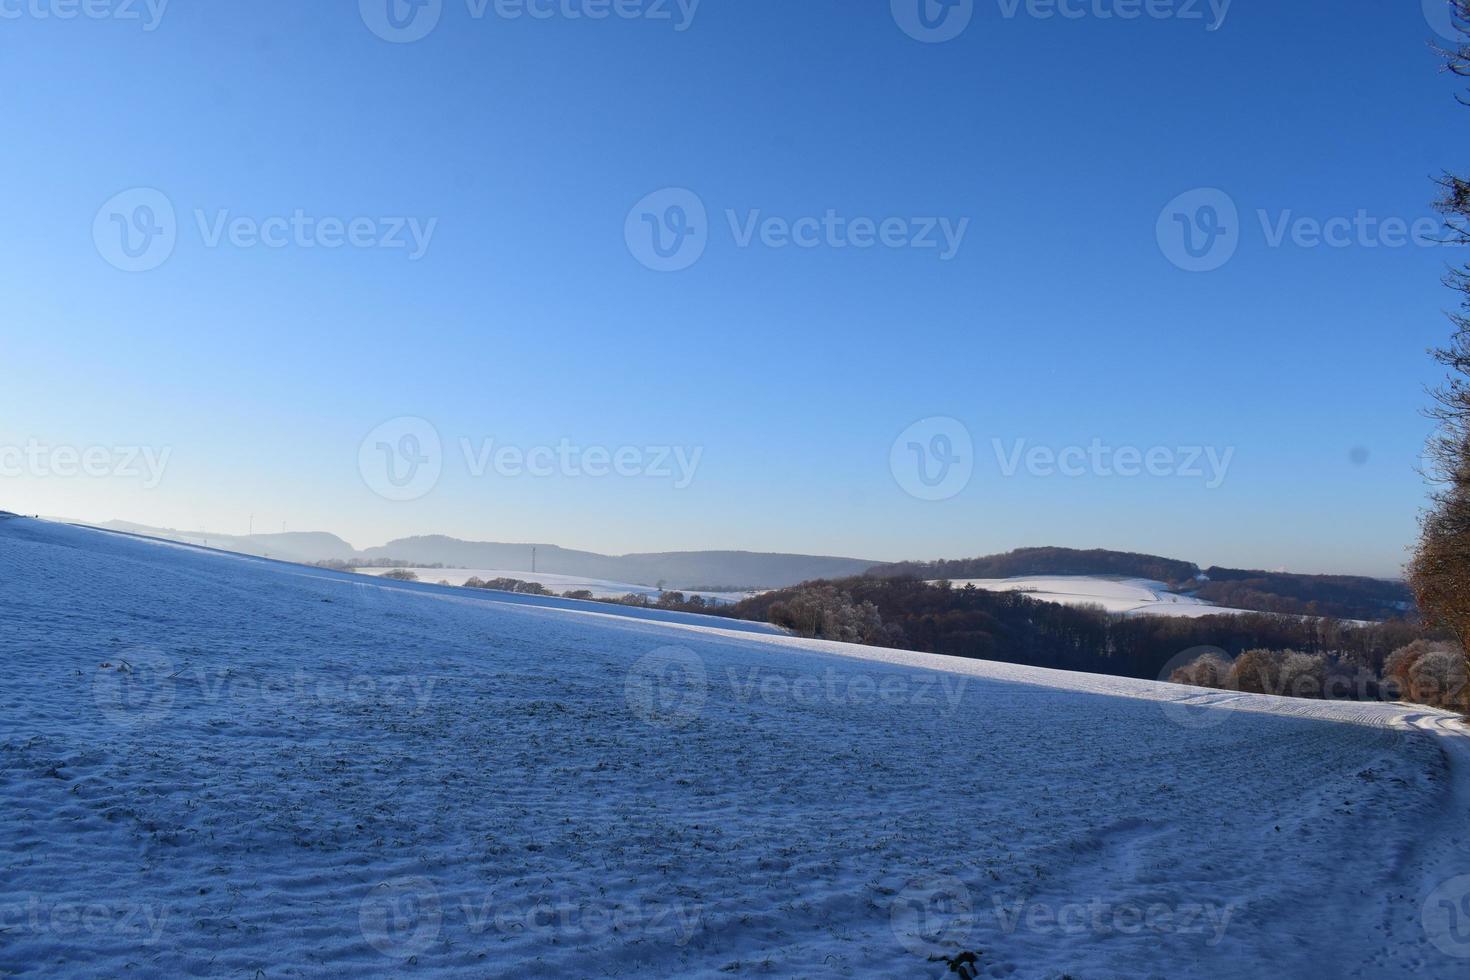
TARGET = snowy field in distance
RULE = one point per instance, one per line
(1133, 596)
(601, 588)
(213, 764)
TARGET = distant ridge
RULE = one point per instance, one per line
(732, 570)
(303, 546)
(678, 569)
(1052, 561)
(1340, 596)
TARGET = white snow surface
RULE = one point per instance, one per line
(601, 588)
(217, 765)
(1132, 596)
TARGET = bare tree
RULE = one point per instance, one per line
(1440, 569)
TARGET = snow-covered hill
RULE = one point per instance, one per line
(1131, 596)
(220, 765)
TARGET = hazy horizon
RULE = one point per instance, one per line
(379, 542)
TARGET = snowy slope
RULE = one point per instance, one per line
(219, 765)
(1132, 596)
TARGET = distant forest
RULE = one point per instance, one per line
(1271, 653)
(912, 614)
(1344, 596)
(1048, 561)
(1338, 596)
(1011, 627)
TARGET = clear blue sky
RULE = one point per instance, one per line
(529, 319)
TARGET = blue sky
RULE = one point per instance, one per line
(531, 318)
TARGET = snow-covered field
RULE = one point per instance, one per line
(601, 588)
(1132, 596)
(219, 765)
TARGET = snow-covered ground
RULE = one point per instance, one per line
(601, 588)
(212, 764)
(1132, 596)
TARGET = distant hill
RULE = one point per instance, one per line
(1051, 561)
(303, 546)
(1343, 596)
(1339, 596)
(725, 570)
(734, 570)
